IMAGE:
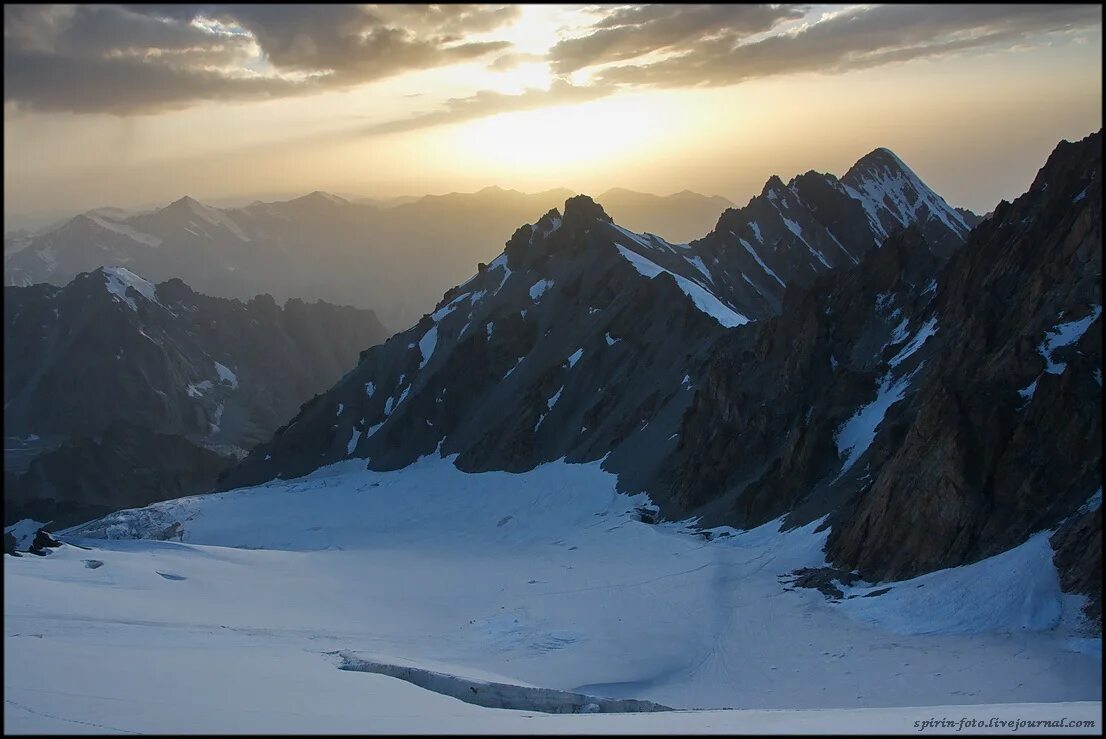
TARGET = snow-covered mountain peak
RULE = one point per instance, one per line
(321, 198)
(880, 157)
(192, 217)
(893, 195)
(190, 205)
(528, 360)
(118, 279)
(187, 202)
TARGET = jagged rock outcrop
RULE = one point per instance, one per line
(940, 407)
(635, 311)
(395, 257)
(790, 234)
(758, 439)
(43, 543)
(1078, 545)
(111, 346)
(565, 345)
(1005, 432)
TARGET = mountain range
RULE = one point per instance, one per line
(853, 349)
(395, 258)
(119, 392)
(837, 461)
(847, 347)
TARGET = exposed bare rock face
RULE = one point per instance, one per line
(583, 339)
(1004, 436)
(940, 406)
(568, 344)
(853, 349)
(1078, 545)
(758, 439)
(119, 392)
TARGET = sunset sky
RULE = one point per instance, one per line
(135, 106)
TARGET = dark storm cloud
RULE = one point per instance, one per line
(146, 58)
(857, 38)
(631, 31)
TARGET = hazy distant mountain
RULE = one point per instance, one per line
(678, 218)
(388, 202)
(17, 240)
(395, 260)
(395, 257)
(175, 379)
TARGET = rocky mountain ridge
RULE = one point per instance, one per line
(164, 372)
(897, 379)
(637, 310)
(392, 258)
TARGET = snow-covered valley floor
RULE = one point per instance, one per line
(540, 580)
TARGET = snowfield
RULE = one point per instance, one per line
(360, 601)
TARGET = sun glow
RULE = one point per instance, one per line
(563, 137)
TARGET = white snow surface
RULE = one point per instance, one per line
(703, 299)
(352, 443)
(1065, 334)
(902, 194)
(796, 229)
(929, 328)
(498, 262)
(226, 375)
(427, 343)
(449, 307)
(197, 389)
(118, 279)
(857, 434)
(538, 288)
(575, 357)
(545, 578)
(759, 261)
(899, 334)
(968, 600)
(24, 531)
(697, 263)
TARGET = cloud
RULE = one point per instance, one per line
(854, 39)
(633, 31)
(147, 58)
(511, 60)
(486, 103)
